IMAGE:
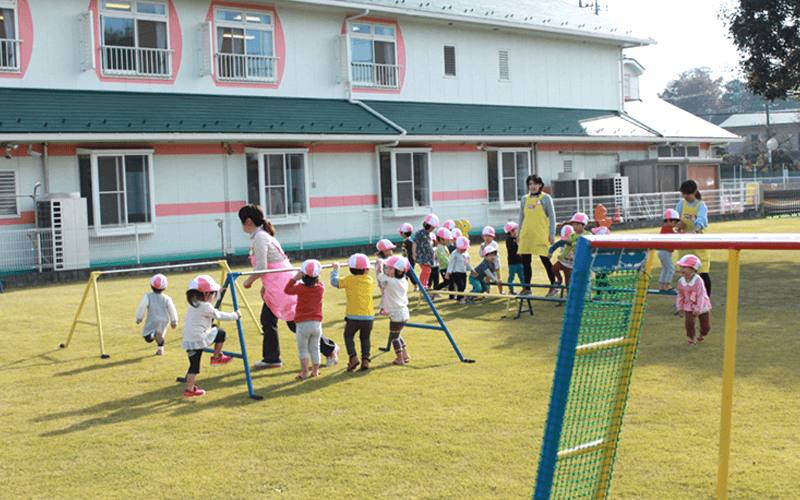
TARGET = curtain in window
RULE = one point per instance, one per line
(384, 54)
(153, 35)
(259, 43)
(8, 52)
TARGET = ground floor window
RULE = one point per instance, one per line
(276, 180)
(8, 193)
(507, 170)
(118, 187)
(405, 178)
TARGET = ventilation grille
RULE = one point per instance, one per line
(505, 74)
(567, 165)
(8, 192)
(449, 60)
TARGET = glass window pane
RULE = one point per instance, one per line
(296, 186)
(360, 28)
(491, 167)
(509, 189)
(664, 151)
(151, 8)
(137, 189)
(384, 31)
(119, 5)
(85, 175)
(258, 18)
(361, 50)
(274, 170)
(253, 195)
(229, 15)
(110, 213)
(405, 194)
(259, 42)
(152, 34)
(421, 189)
(7, 24)
(509, 165)
(230, 40)
(386, 180)
(276, 204)
(522, 173)
(403, 167)
(118, 32)
(109, 173)
(384, 52)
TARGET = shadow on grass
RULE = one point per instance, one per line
(25, 363)
(102, 366)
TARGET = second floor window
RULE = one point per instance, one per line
(9, 45)
(373, 56)
(245, 46)
(135, 38)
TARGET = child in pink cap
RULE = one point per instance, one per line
(423, 249)
(391, 274)
(569, 239)
(308, 315)
(512, 255)
(359, 310)
(385, 250)
(693, 301)
(160, 311)
(488, 234)
(671, 220)
(458, 266)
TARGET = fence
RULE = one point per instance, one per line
(782, 199)
(133, 61)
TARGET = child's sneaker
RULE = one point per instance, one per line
(692, 342)
(160, 351)
(384, 312)
(221, 360)
(701, 339)
(192, 393)
(333, 359)
(260, 365)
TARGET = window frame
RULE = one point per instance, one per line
(373, 38)
(395, 209)
(12, 5)
(500, 189)
(128, 228)
(14, 196)
(103, 12)
(243, 25)
(287, 218)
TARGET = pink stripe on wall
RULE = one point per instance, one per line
(474, 194)
(211, 207)
(24, 218)
(344, 201)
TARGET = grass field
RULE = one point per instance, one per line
(77, 426)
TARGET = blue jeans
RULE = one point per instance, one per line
(515, 270)
(478, 286)
(667, 266)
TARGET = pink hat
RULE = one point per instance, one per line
(690, 261)
(384, 245)
(406, 228)
(159, 282)
(433, 237)
(204, 283)
(462, 243)
(566, 231)
(444, 233)
(456, 233)
(399, 263)
(432, 220)
(488, 230)
(672, 214)
(311, 267)
(449, 225)
(510, 226)
(581, 218)
(358, 261)
(601, 231)
(491, 247)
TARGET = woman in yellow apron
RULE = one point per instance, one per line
(537, 229)
(694, 220)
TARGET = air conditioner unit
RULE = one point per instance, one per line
(610, 185)
(572, 188)
(64, 231)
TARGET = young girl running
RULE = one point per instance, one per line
(160, 312)
(392, 276)
(693, 301)
(308, 315)
(385, 248)
(359, 311)
(199, 333)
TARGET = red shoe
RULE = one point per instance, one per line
(221, 360)
(701, 339)
(194, 392)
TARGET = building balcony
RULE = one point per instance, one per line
(379, 76)
(246, 68)
(9, 54)
(136, 62)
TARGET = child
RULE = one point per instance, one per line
(485, 270)
(455, 234)
(423, 250)
(601, 279)
(199, 333)
(359, 312)
(458, 267)
(569, 238)
(513, 258)
(385, 248)
(671, 219)
(443, 257)
(160, 313)
(693, 301)
(488, 236)
(449, 225)
(392, 276)
(408, 246)
(434, 280)
(308, 315)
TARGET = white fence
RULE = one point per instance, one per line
(238, 67)
(375, 75)
(26, 250)
(133, 61)
(9, 55)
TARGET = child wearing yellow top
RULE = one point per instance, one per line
(359, 311)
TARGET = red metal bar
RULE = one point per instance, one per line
(721, 241)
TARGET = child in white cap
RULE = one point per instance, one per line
(392, 277)
(360, 310)
(693, 301)
(423, 250)
(443, 237)
(160, 312)
(512, 255)
(671, 220)
(385, 250)
(488, 234)
(485, 270)
(458, 266)
(308, 315)
(199, 332)
(569, 239)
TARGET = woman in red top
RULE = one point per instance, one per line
(308, 315)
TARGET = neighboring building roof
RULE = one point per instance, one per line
(742, 120)
(553, 16)
(676, 124)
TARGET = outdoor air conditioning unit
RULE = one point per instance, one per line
(61, 219)
(572, 185)
(610, 185)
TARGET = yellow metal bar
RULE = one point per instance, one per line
(240, 291)
(731, 313)
(95, 275)
(623, 382)
(80, 308)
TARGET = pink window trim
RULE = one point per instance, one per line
(175, 44)
(401, 53)
(280, 43)
(24, 218)
(25, 25)
(473, 194)
(344, 201)
(204, 208)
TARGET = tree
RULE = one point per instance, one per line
(767, 34)
(694, 91)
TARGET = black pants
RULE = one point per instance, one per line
(433, 281)
(350, 328)
(271, 348)
(706, 281)
(459, 282)
(527, 271)
(445, 283)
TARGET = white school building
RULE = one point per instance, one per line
(134, 130)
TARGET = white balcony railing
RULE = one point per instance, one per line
(382, 76)
(9, 55)
(241, 67)
(133, 61)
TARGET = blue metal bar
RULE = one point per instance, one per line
(420, 325)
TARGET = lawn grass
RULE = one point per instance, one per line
(77, 426)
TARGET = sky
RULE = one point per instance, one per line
(688, 33)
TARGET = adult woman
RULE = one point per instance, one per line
(694, 220)
(266, 253)
(537, 229)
